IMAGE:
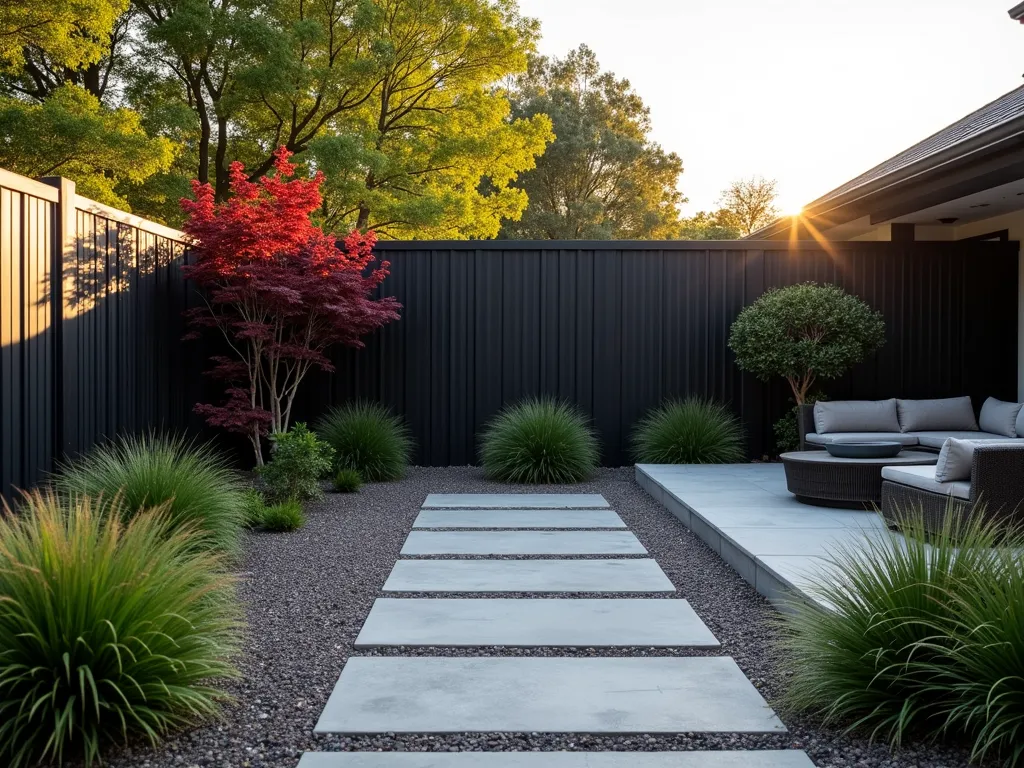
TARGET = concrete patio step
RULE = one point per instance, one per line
(545, 695)
(522, 543)
(515, 501)
(755, 759)
(629, 575)
(518, 518)
(534, 623)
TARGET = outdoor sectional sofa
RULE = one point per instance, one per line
(980, 460)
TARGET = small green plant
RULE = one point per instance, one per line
(108, 629)
(690, 431)
(283, 517)
(925, 633)
(539, 440)
(297, 462)
(200, 490)
(347, 481)
(787, 430)
(368, 438)
(255, 506)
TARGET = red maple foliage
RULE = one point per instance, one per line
(279, 289)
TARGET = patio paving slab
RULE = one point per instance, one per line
(534, 623)
(523, 543)
(630, 575)
(790, 758)
(545, 695)
(515, 501)
(518, 518)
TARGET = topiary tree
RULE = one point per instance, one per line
(805, 333)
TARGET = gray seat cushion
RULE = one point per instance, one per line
(855, 437)
(856, 416)
(936, 439)
(924, 478)
(950, 413)
(999, 417)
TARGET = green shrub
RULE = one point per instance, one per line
(805, 333)
(368, 438)
(539, 440)
(347, 481)
(297, 462)
(286, 516)
(926, 633)
(787, 431)
(107, 629)
(200, 489)
(690, 431)
(255, 506)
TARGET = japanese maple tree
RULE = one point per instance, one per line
(279, 289)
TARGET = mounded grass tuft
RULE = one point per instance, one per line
(108, 629)
(926, 636)
(284, 517)
(690, 431)
(255, 506)
(539, 440)
(347, 481)
(368, 438)
(200, 490)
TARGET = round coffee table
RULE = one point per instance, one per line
(817, 477)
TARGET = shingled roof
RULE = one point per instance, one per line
(1006, 107)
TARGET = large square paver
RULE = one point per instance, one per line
(523, 543)
(545, 695)
(518, 518)
(515, 501)
(790, 758)
(630, 575)
(534, 623)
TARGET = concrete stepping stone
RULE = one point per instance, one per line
(523, 543)
(790, 758)
(534, 623)
(631, 575)
(545, 695)
(515, 501)
(518, 518)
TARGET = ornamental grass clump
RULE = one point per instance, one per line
(111, 626)
(539, 440)
(690, 431)
(284, 517)
(925, 635)
(195, 483)
(368, 438)
(347, 481)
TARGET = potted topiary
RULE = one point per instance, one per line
(805, 333)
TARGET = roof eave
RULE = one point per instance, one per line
(1017, 12)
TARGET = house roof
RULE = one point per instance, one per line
(1006, 107)
(958, 139)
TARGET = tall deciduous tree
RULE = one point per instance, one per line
(73, 33)
(602, 177)
(279, 289)
(751, 203)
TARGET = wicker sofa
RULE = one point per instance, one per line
(995, 453)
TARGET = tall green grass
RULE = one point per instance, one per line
(195, 483)
(690, 431)
(925, 636)
(107, 629)
(539, 440)
(368, 438)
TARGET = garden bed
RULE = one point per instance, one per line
(308, 592)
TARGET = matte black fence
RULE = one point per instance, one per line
(614, 327)
(618, 326)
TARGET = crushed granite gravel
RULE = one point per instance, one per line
(307, 593)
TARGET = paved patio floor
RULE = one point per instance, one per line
(745, 513)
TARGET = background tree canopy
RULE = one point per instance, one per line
(602, 177)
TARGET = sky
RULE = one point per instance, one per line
(808, 92)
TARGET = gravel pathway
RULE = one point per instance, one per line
(307, 594)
